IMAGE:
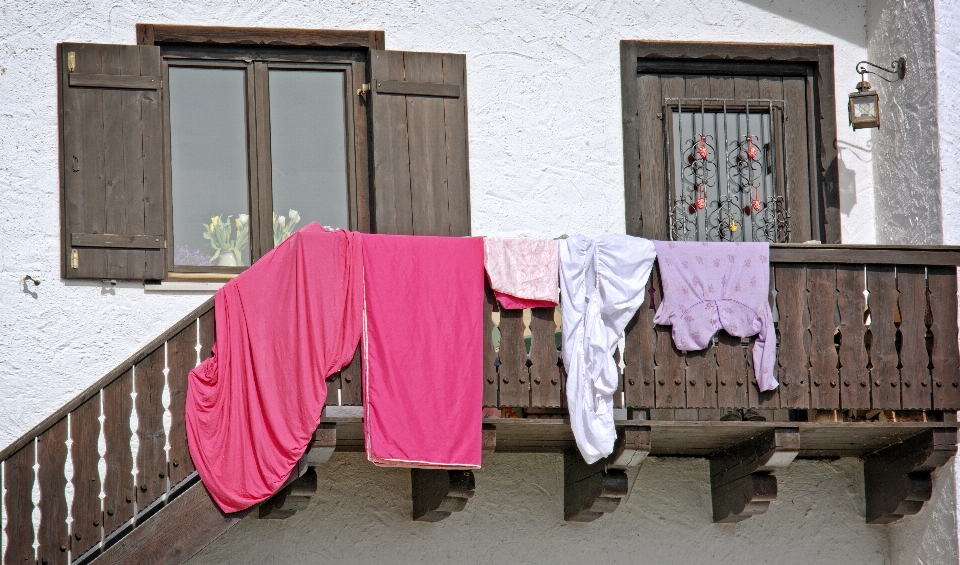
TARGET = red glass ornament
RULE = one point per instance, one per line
(746, 210)
(691, 209)
(756, 200)
(702, 147)
(751, 149)
(701, 201)
(690, 158)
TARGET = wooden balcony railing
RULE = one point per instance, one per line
(102, 415)
(858, 328)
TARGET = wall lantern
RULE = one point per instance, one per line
(864, 106)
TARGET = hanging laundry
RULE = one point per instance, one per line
(603, 281)
(523, 272)
(423, 350)
(709, 286)
(283, 326)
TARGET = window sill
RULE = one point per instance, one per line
(184, 286)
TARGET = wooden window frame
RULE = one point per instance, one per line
(733, 58)
(257, 50)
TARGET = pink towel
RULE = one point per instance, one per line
(283, 326)
(423, 350)
(524, 273)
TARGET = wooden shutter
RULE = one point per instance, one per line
(418, 103)
(111, 162)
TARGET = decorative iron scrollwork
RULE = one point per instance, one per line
(745, 206)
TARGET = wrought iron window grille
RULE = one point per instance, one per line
(737, 193)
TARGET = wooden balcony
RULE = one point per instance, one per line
(868, 364)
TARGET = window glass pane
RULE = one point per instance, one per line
(208, 142)
(724, 177)
(309, 155)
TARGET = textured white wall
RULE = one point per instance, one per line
(905, 154)
(362, 515)
(948, 114)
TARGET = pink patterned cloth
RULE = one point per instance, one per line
(283, 326)
(524, 273)
(423, 350)
(709, 286)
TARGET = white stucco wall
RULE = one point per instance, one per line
(545, 158)
(947, 30)
(906, 147)
(362, 515)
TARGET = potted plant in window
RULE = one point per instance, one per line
(283, 226)
(228, 249)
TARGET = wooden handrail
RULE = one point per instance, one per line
(926, 255)
(101, 383)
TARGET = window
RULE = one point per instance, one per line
(261, 143)
(724, 142)
(194, 153)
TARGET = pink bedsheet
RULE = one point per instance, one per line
(283, 326)
(423, 350)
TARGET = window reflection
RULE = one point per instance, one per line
(208, 144)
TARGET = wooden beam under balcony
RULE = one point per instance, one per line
(742, 477)
(590, 491)
(897, 479)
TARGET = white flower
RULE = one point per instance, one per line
(282, 221)
(293, 214)
(243, 218)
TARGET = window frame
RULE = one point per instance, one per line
(813, 61)
(257, 50)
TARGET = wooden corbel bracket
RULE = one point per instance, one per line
(437, 493)
(302, 484)
(590, 491)
(897, 479)
(742, 480)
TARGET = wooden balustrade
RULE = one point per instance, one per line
(858, 328)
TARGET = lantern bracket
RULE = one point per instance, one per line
(897, 68)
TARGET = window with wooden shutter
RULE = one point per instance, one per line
(730, 142)
(418, 103)
(111, 162)
(192, 155)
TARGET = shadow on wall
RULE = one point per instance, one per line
(822, 15)
(848, 177)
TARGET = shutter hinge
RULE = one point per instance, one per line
(74, 259)
(71, 60)
(363, 90)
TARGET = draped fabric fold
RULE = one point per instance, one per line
(283, 326)
(423, 350)
(603, 281)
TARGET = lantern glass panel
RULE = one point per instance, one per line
(864, 107)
